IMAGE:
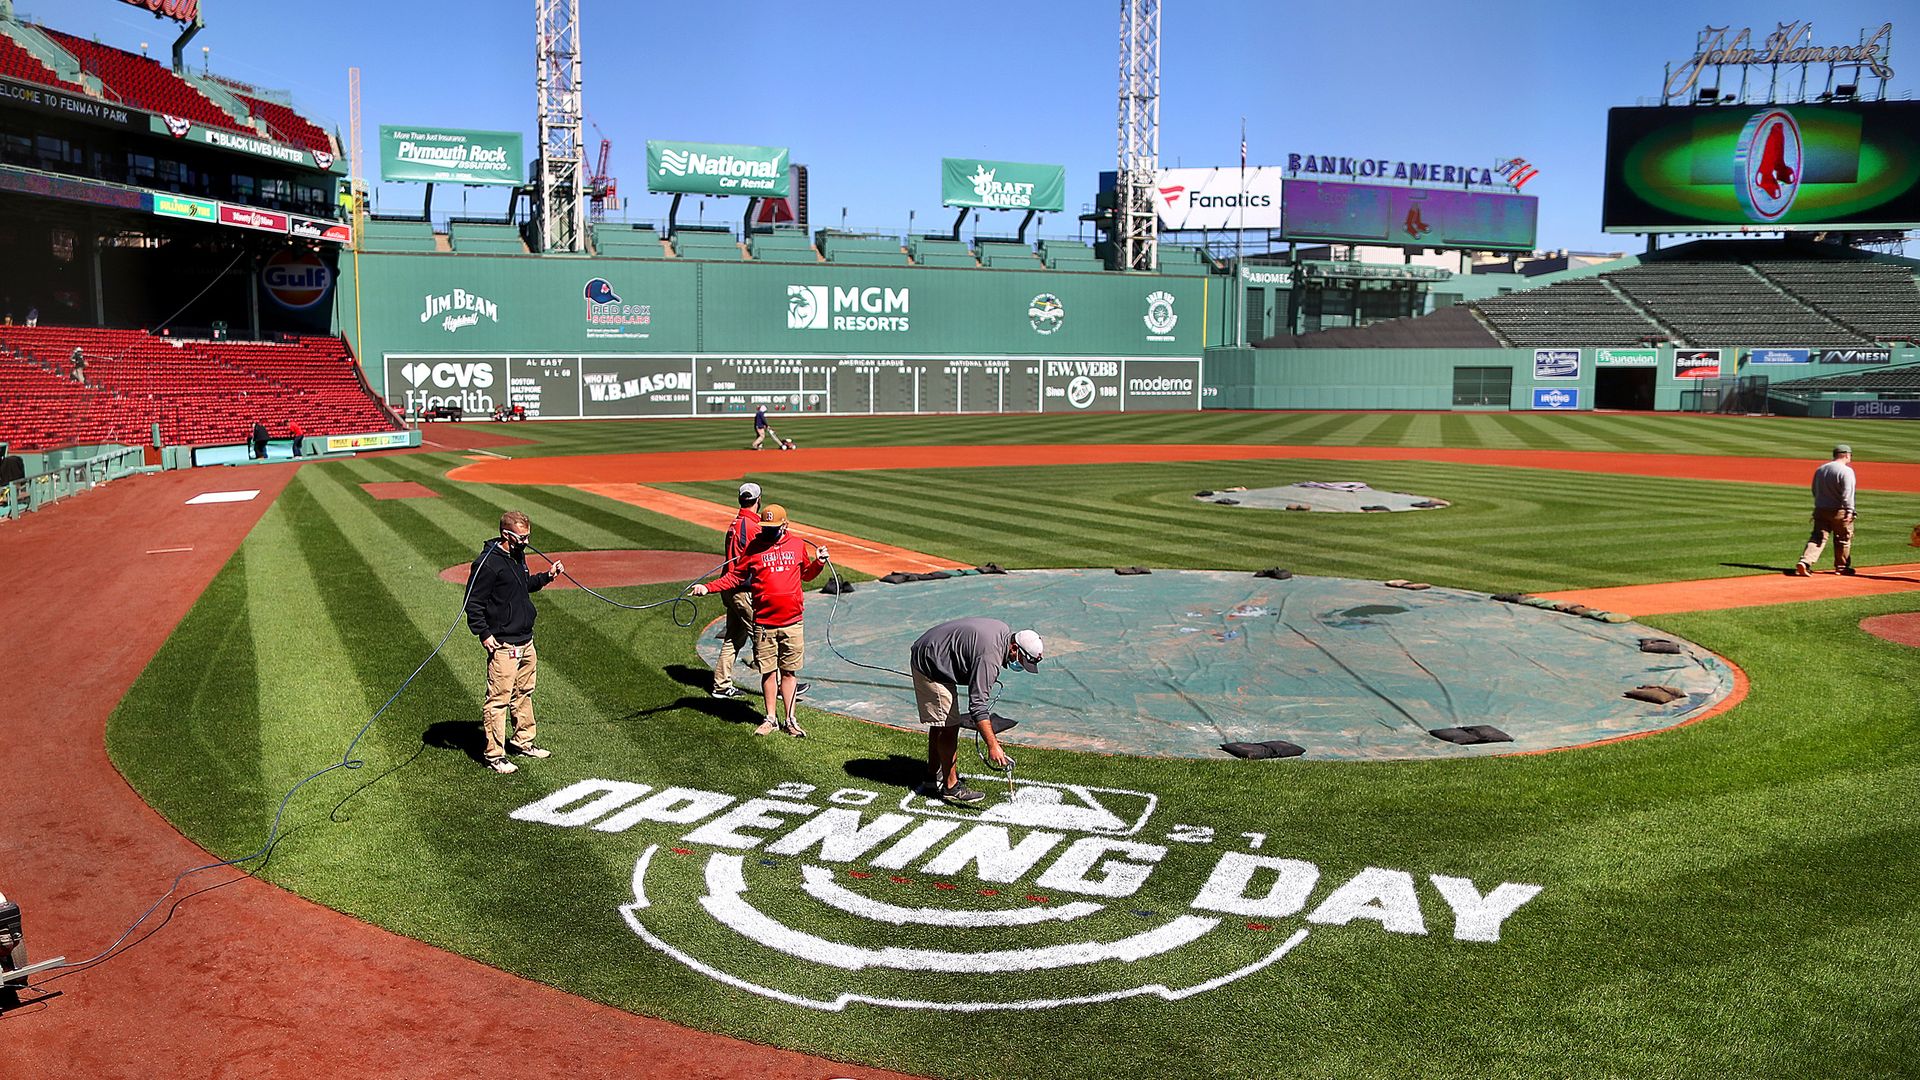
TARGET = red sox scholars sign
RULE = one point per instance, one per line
(1062, 894)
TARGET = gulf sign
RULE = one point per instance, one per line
(1696, 364)
(296, 279)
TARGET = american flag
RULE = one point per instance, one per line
(1243, 144)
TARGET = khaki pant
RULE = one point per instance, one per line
(739, 605)
(938, 703)
(510, 677)
(779, 648)
(1840, 524)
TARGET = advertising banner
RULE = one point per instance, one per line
(637, 386)
(248, 217)
(1556, 363)
(1626, 358)
(1876, 410)
(1408, 216)
(1856, 356)
(1696, 364)
(1218, 198)
(182, 207)
(716, 169)
(451, 156)
(51, 102)
(1554, 397)
(1763, 168)
(374, 441)
(306, 228)
(1777, 356)
(1002, 185)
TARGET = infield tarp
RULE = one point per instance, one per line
(1174, 663)
(1322, 496)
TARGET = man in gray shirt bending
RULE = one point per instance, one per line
(967, 652)
(1832, 513)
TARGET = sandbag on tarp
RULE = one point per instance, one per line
(1471, 735)
(1658, 695)
(1259, 751)
(1274, 572)
(836, 585)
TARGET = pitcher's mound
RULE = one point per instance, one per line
(1902, 629)
(607, 569)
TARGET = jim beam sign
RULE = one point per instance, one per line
(1787, 44)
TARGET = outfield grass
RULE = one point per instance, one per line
(1730, 898)
(1646, 433)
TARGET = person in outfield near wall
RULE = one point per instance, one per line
(1832, 514)
(969, 652)
(761, 429)
(773, 568)
(500, 613)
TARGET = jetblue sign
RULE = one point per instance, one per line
(1876, 410)
(1554, 397)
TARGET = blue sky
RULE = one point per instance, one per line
(870, 95)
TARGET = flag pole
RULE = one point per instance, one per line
(1239, 235)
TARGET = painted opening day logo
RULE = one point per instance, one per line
(609, 316)
(1766, 165)
(1046, 314)
(859, 309)
(458, 308)
(1160, 318)
(828, 899)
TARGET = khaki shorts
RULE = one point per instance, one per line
(939, 703)
(779, 647)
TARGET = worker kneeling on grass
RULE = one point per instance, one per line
(772, 568)
(969, 652)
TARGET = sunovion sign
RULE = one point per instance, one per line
(716, 169)
(824, 899)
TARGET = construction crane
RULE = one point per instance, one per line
(602, 190)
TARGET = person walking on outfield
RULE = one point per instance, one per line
(761, 429)
(500, 613)
(738, 602)
(773, 568)
(1832, 513)
(967, 652)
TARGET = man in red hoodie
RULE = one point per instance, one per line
(738, 602)
(773, 568)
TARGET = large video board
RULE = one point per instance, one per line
(1763, 168)
(1408, 216)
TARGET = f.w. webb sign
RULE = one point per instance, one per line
(827, 898)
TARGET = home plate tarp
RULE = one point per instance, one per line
(1176, 663)
(1326, 496)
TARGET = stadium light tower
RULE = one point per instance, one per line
(563, 156)
(1138, 224)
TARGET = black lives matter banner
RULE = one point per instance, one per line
(620, 387)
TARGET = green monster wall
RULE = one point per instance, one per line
(571, 336)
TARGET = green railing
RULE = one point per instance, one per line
(56, 474)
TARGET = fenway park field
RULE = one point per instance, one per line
(1730, 896)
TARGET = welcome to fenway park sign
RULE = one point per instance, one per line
(182, 11)
(830, 898)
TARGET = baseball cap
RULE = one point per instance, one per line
(1031, 648)
(749, 493)
(772, 516)
(1842, 448)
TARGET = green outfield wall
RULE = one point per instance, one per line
(1482, 379)
(577, 336)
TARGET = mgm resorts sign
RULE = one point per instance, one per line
(1786, 45)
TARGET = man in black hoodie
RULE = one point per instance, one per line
(500, 613)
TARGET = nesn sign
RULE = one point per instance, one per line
(1553, 397)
